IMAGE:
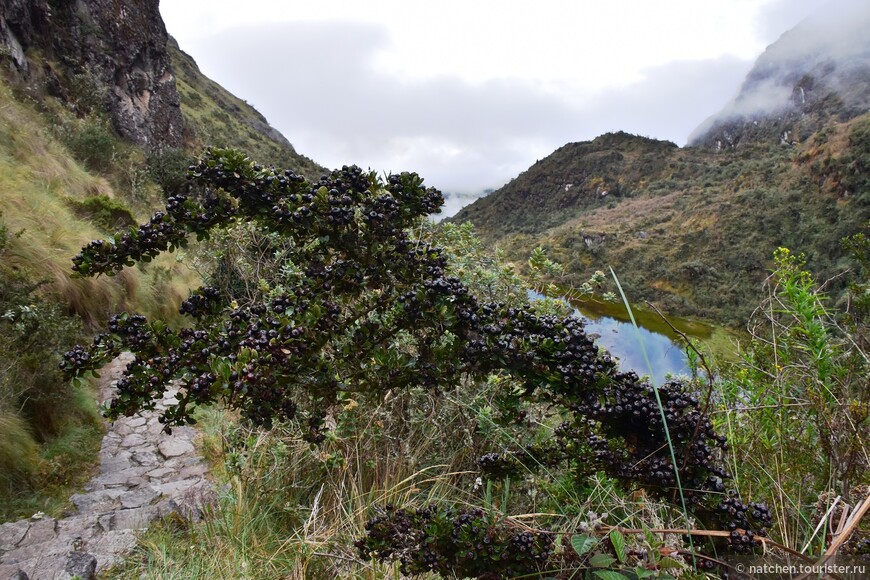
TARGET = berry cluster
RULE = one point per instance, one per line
(746, 522)
(498, 465)
(620, 426)
(467, 543)
(205, 301)
(166, 231)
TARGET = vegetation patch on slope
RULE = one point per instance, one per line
(690, 229)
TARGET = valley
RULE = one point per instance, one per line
(365, 387)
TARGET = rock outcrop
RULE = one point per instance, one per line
(113, 50)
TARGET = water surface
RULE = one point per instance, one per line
(611, 324)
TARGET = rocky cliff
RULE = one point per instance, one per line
(113, 49)
(815, 74)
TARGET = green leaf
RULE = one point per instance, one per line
(582, 544)
(610, 575)
(642, 572)
(667, 563)
(618, 542)
(651, 539)
(602, 560)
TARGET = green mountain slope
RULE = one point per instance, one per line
(99, 113)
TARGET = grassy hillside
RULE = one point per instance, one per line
(68, 178)
(52, 204)
(214, 116)
(691, 229)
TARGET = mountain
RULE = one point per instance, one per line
(97, 96)
(116, 57)
(214, 116)
(815, 74)
(694, 228)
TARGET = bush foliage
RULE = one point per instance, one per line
(360, 306)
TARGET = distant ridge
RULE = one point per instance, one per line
(787, 163)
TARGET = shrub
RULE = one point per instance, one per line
(92, 142)
(107, 213)
(168, 168)
(798, 399)
(38, 408)
(359, 306)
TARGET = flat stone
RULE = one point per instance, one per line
(37, 568)
(108, 547)
(135, 519)
(97, 501)
(146, 458)
(176, 488)
(40, 531)
(122, 429)
(136, 422)
(175, 447)
(115, 464)
(185, 432)
(130, 477)
(78, 528)
(111, 437)
(138, 498)
(155, 429)
(133, 440)
(198, 469)
(12, 533)
(37, 550)
(176, 463)
(161, 472)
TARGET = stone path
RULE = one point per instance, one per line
(144, 474)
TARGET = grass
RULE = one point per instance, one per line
(37, 175)
(794, 408)
(286, 509)
(51, 472)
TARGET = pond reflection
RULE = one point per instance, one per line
(611, 326)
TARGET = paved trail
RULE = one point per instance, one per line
(144, 474)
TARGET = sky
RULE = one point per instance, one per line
(471, 93)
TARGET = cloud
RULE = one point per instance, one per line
(780, 15)
(317, 83)
(831, 45)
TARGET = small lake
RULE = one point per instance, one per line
(610, 322)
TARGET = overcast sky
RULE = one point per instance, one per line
(470, 93)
